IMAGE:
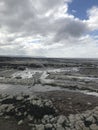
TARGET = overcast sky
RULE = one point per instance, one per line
(49, 28)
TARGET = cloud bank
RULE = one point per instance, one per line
(45, 28)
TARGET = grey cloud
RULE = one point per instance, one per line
(70, 28)
(15, 14)
(43, 6)
(25, 18)
(23, 15)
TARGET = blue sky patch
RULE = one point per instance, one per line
(79, 7)
(94, 34)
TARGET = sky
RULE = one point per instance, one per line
(49, 28)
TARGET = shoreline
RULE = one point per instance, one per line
(70, 92)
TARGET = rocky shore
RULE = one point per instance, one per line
(48, 94)
(40, 114)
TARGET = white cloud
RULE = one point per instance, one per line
(93, 18)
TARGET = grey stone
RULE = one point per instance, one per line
(3, 107)
(77, 117)
(87, 114)
(59, 127)
(48, 126)
(10, 107)
(61, 119)
(48, 103)
(67, 128)
(7, 117)
(96, 108)
(19, 98)
(46, 118)
(32, 125)
(34, 102)
(39, 103)
(96, 113)
(90, 118)
(71, 118)
(53, 120)
(94, 127)
(19, 114)
(20, 122)
(25, 113)
(30, 118)
(1, 113)
(79, 125)
(40, 127)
